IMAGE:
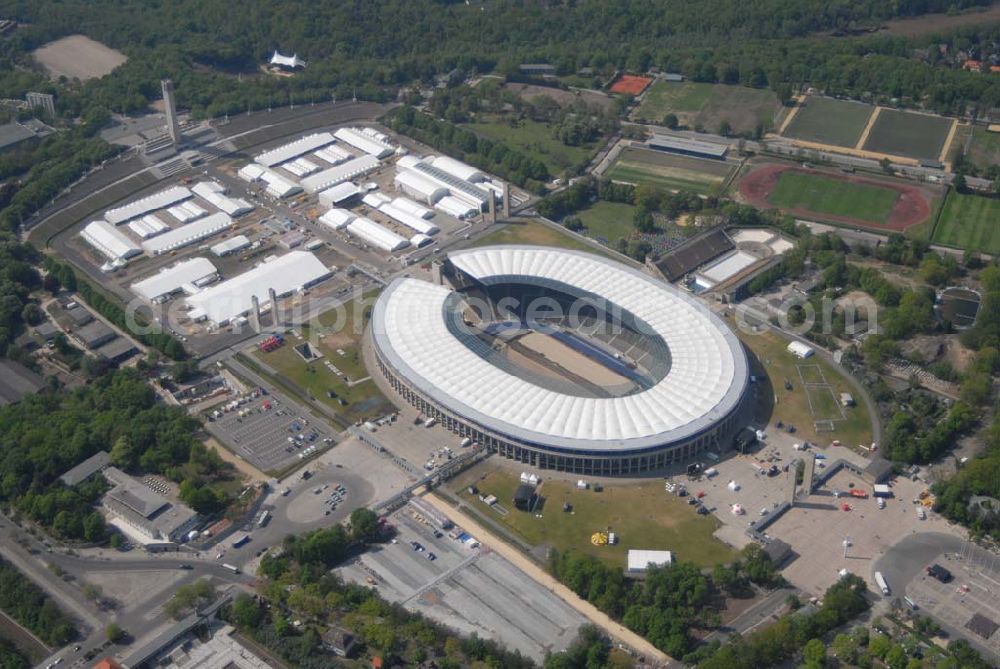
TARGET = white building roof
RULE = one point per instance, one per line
(340, 173)
(333, 154)
(231, 245)
(338, 194)
(185, 212)
(277, 185)
(453, 206)
(704, 383)
(458, 168)
(414, 223)
(171, 279)
(419, 240)
(727, 267)
(148, 226)
(189, 234)
(406, 204)
(377, 235)
(287, 61)
(112, 243)
(287, 152)
(640, 560)
(135, 209)
(227, 300)
(799, 349)
(215, 194)
(337, 218)
(363, 141)
(419, 186)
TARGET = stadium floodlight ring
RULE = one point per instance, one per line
(413, 335)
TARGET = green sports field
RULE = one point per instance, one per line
(969, 222)
(830, 121)
(670, 171)
(834, 197)
(608, 221)
(900, 133)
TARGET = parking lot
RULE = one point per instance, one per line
(974, 589)
(471, 590)
(270, 432)
(817, 527)
(421, 446)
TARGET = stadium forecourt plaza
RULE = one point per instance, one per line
(680, 374)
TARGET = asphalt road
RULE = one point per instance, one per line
(904, 561)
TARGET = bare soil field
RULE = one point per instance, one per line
(79, 57)
(939, 23)
(563, 98)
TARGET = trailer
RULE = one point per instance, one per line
(881, 490)
(231, 568)
(882, 583)
(860, 494)
(241, 540)
(265, 516)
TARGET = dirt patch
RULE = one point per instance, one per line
(562, 97)
(78, 57)
(911, 206)
(939, 23)
(241, 465)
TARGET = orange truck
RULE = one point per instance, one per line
(860, 494)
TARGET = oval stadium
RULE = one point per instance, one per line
(562, 359)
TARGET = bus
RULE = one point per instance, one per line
(882, 583)
(231, 568)
(264, 517)
(240, 540)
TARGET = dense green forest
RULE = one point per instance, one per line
(10, 658)
(45, 435)
(23, 601)
(371, 48)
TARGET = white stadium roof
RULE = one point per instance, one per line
(287, 152)
(135, 209)
(704, 384)
(229, 299)
(172, 279)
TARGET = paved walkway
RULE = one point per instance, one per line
(615, 630)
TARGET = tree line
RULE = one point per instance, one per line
(670, 601)
(24, 601)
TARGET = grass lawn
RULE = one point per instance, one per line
(833, 196)
(679, 97)
(830, 121)
(907, 134)
(664, 176)
(335, 331)
(792, 406)
(642, 516)
(608, 221)
(984, 149)
(533, 232)
(970, 222)
(535, 139)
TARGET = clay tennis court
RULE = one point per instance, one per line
(910, 208)
(629, 84)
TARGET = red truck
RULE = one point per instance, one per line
(860, 494)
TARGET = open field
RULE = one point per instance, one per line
(608, 222)
(969, 222)
(641, 515)
(900, 133)
(79, 57)
(665, 170)
(680, 98)
(534, 139)
(533, 232)
(792, 406)
(708, 105)
(940, 23)
(833, 196)
(837, 198)
(339, 331)
(829, 121)
(984, 149)
(563, 98)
